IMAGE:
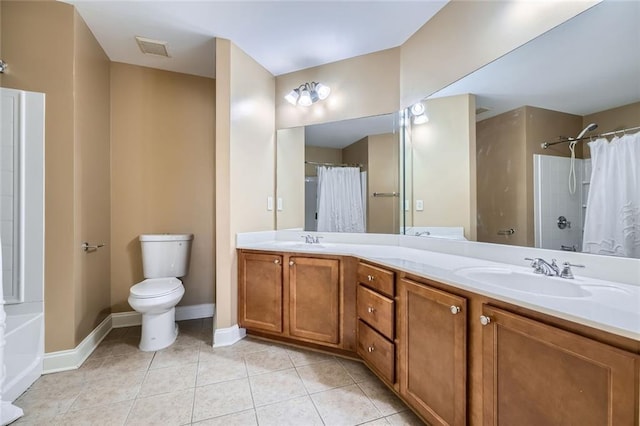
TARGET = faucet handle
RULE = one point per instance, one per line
(566, 270)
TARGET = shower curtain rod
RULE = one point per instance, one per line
(546, 145)
(313, 163)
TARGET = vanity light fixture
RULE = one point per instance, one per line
(308, 93)
(418, 111)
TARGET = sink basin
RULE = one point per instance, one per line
(525, 282)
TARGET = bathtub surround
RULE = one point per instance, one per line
(22, 335)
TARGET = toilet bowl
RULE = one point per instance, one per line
(165, 258)
(156, 299)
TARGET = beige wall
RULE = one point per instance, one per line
(623, 117)
(357, 153)
(361, 86)
(51, 50)
(245, 164)
(290, 178)
(466, 35)
(92, 181)
(162, 159)
(320, 154)
(37, 40)
(444, 165)
(505, 148)
(383, 176)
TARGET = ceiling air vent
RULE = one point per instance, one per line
(480, 110)
(152, 47)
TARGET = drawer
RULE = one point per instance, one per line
(376, 310)
(378, 352)
(377, 278)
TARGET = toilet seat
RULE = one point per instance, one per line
(155, 287)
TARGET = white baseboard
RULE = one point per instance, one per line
(228, 336)
(183, 313)
(73, 358)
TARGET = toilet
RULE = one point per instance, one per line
(165, 258)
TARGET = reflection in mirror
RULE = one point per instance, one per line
(351, 176)
(483, 144)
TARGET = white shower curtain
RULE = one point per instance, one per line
(612, 222)
(340, 200)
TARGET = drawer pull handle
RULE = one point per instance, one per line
(291, 263)
(371, 309)
(454, 309)
(277, 261)
(484, 320)
(371, 277)
(371, 348)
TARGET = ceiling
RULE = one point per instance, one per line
(588, 64)
(283, 36)
(339, 134)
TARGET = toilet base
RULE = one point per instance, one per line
(158, 330)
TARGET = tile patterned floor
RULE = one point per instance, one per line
(253, 382)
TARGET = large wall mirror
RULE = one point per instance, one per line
(471, 165)
(478, 161)
(340, 176)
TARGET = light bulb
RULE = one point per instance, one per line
(305, 98)
(323, 91)
(417, 109)
(292, 97)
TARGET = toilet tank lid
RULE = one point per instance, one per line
(166, 237)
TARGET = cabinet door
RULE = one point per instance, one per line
(314, 291)
(432, 352)
(260, 292)
(535, 374)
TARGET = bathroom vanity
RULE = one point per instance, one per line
(455, 353)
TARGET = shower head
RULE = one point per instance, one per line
(590, 128)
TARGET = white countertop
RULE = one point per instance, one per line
(606, 305)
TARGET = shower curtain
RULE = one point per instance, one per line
(340, 200)
(612, 221)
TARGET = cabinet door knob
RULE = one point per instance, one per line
(277, 261)
(454, 309)
(291, 263)
(371, 348)
(371, 309)
(484, 320)
(371, 277)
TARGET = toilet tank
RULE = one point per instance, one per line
(165, 255)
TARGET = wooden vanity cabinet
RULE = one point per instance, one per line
(432, 352)
(301, 298)
(260, 291)
(314, 299)
(376, 320)
(537, 374)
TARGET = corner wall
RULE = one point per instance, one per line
(245, 164)
(50, 50)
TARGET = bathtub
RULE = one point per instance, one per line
(23, 353)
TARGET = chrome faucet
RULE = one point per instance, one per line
(310, 239)
(420, 233)
(541, 266)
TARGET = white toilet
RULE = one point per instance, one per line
(165, 257)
